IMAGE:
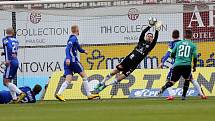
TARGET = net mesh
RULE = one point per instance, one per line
(109, 32)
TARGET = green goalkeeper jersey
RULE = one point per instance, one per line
(183, 52)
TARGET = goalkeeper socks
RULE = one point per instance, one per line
(13, 94)
(185, 88)
(14, 88)
(167, 85)
(111, 83)
(170, 91)
(197, 86)
(63, 87)
(106, 78)
(86, 86)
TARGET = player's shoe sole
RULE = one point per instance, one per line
(170, 98)
(60, 98)
(93, 96)
(21, 97)
(204, 97)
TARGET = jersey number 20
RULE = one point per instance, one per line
(184, 51)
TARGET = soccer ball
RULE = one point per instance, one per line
(152, 21)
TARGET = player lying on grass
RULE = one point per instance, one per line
(5, 96)
(183, 52)
(129, 64)
(10, 46)
(175, 36)
(72, 65)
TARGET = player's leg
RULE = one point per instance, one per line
(78, 68)
(102, 84)
(68, 73)
(174, 78)
(9, 74)
(122, 66)
(186, 74)
(117, 79)
(171, 95)
(198, 88)
(110, 75)
(125, 73)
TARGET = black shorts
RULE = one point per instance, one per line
(178, 71)
(127, 66)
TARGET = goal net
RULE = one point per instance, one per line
(109, 30)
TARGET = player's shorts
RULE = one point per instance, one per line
(178, 71)
(127, 66)
(75, 67)
(11, 70)
(168, 78)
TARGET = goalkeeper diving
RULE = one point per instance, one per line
(129, 64)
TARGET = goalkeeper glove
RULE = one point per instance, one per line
(158, 25)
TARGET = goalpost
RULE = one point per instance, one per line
(109, 30)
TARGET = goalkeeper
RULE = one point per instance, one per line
(129, 64)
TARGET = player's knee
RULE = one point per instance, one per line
(83, 74)
(187, 83)
(172, 82)
(84, 79)
(69, 78)
(119, 67)
(5, 82)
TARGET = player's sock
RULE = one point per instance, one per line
(170, 91)
(86, 86)
(167, 85)
(63, 87)
(106, 78)
(13, 94)
(185, 88)
(111, 83)
(197, 86)
(14, 88)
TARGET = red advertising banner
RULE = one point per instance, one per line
(201, 20)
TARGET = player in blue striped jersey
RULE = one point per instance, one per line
(10, 46)
(72, 65)
(5, 96)
(171, 45)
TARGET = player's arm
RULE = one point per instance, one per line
(142, 36)
(5, 43)
(194, 58)
(68, 53)
(79, 48)
(68, 49)
(173, 53)
(155, 39)
(168, 53)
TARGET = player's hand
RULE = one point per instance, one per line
(158, 25)
(86, 52)
(194, 69)
(160, 65)
(7, 63)
(67, 62)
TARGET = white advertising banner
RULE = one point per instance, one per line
(108, 25)
(39, 61)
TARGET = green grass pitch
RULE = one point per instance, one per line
(192, 109)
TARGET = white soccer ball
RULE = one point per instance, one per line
(152, 21)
